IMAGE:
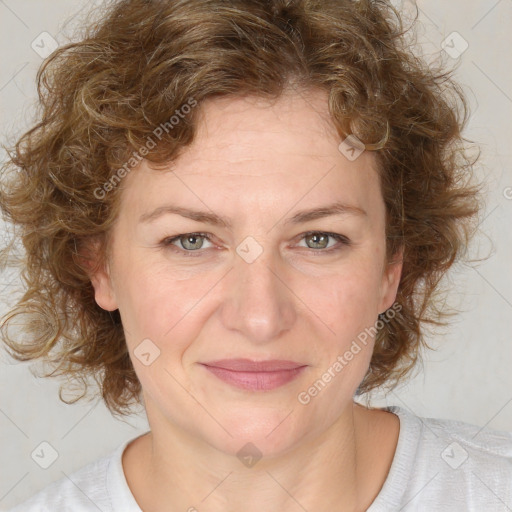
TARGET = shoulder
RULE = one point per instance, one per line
(470, 448)
(83, 490)
(442, 464)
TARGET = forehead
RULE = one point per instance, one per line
(294, 124)
(252, 151)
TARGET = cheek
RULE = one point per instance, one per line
(161, 304)
(350, 309)
(153, 303)
(349, 299)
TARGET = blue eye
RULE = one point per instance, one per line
(316, 241)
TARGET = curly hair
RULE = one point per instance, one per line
(137, 65)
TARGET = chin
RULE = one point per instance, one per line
(267, 431)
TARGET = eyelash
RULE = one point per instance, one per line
(343, 240)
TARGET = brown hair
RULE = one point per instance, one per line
(101, 99)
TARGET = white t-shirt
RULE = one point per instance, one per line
(439, 465)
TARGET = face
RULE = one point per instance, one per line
(258, 280)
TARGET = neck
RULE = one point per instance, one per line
(342, 469)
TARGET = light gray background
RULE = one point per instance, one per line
(468, 378)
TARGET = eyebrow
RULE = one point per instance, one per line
(337, 208)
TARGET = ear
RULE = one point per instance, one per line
(391, 280)
(88, 257)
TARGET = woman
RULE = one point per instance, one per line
(237, 214)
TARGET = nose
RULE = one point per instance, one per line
(259, 303)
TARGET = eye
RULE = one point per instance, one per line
(319, 240)
(188, 242)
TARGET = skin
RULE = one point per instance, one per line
(257, 164)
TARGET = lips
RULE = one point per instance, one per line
(247, 365)
(255, 375)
